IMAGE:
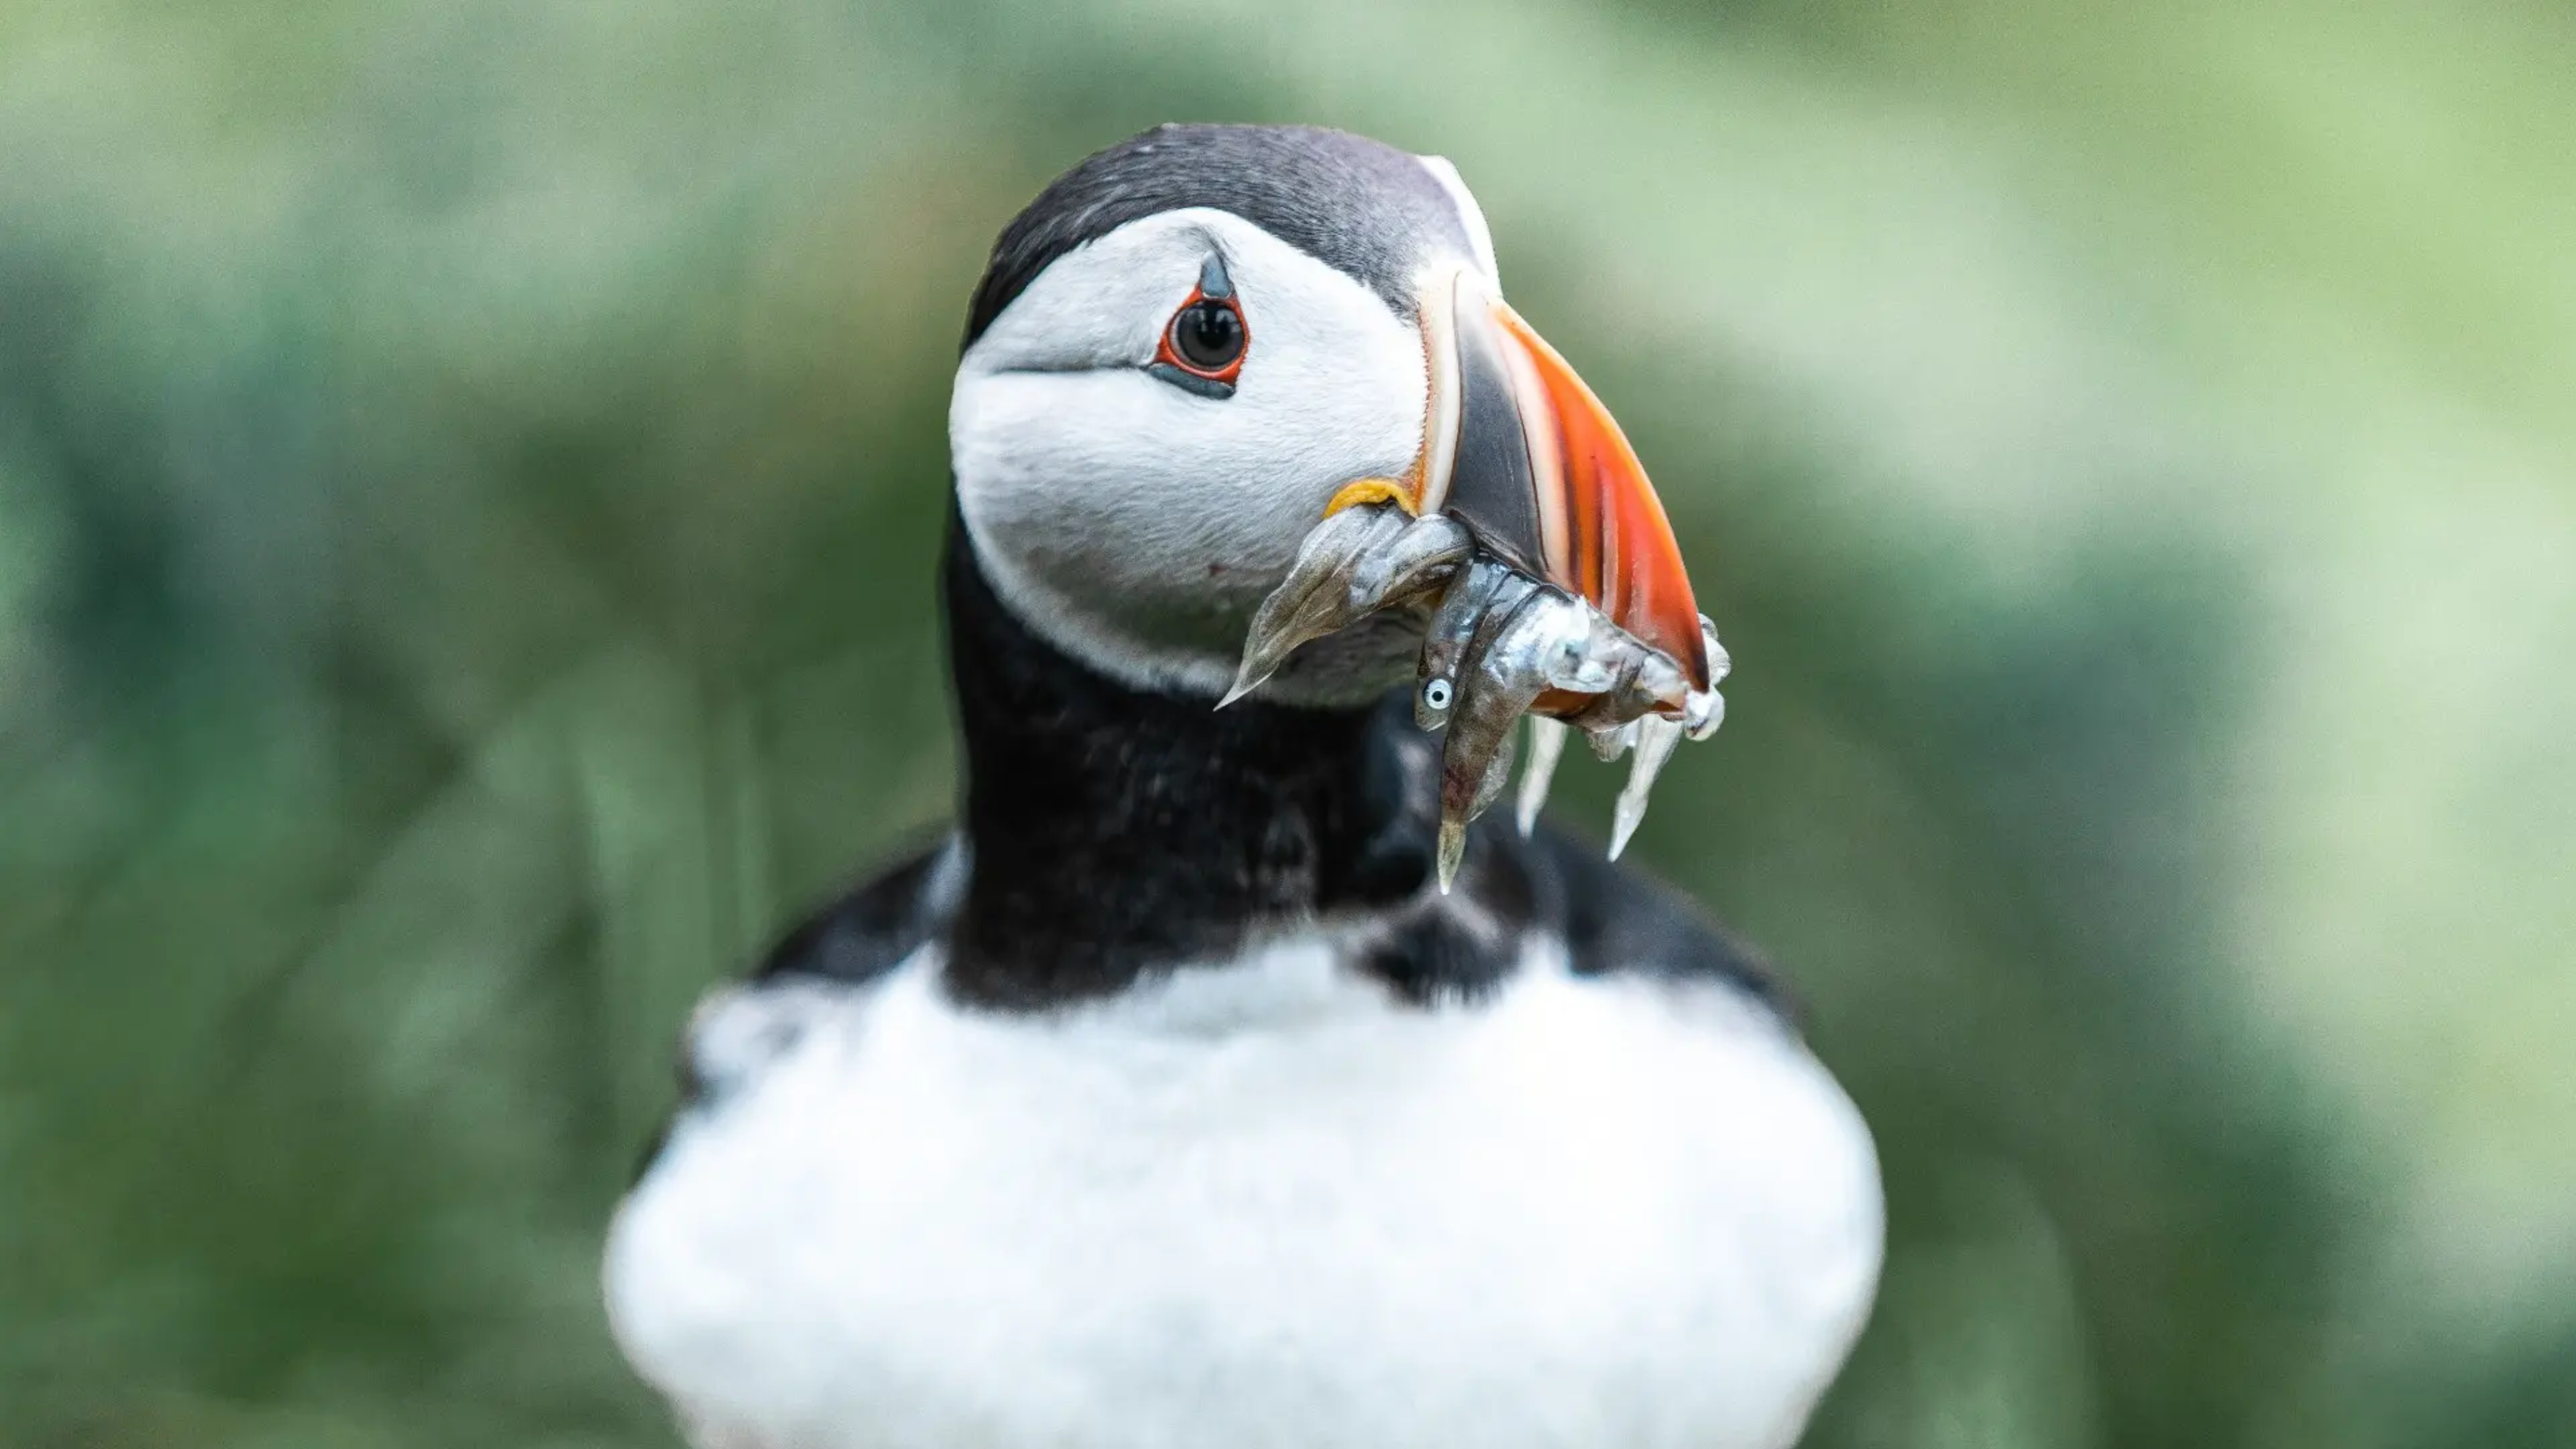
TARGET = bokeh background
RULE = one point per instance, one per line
(469, 481)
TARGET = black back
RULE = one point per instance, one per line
(1429, 951)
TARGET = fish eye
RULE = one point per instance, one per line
(1435, 695)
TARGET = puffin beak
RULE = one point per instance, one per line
(1525, 497)
(1522, 453)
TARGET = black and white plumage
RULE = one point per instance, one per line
(1168, 1102)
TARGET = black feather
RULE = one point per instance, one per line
(1358, 205)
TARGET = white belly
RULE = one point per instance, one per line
(1256, 1208)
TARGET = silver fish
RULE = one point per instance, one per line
(1499, 642)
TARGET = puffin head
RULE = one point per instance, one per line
(1195, 345)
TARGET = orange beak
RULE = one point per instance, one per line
(1522, 453)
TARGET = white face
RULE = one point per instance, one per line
(1136, 523)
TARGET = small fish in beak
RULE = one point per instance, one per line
(1555, 588)
(1500, 646)
(1360, 559)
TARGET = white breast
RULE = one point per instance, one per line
(1259, 1207)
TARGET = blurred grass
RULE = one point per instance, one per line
(469, 478)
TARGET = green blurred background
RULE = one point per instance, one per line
(469, 481)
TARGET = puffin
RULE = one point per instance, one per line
(1226, 1076)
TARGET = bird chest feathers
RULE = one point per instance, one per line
(1255, 1205)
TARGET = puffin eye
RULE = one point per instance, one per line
(1208, 335)
(1202, 348)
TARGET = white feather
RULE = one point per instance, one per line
(1258, 1207)
(1479, 235)
(1137, 525)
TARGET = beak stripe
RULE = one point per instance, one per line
(1518, 449)
(1623, 554)
(1548, 458)
(1438, 463)
(1493, 488)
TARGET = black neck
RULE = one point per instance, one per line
(1117, 831)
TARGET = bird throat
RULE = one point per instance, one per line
(1117, 832)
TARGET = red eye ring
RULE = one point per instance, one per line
(1207, 339)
